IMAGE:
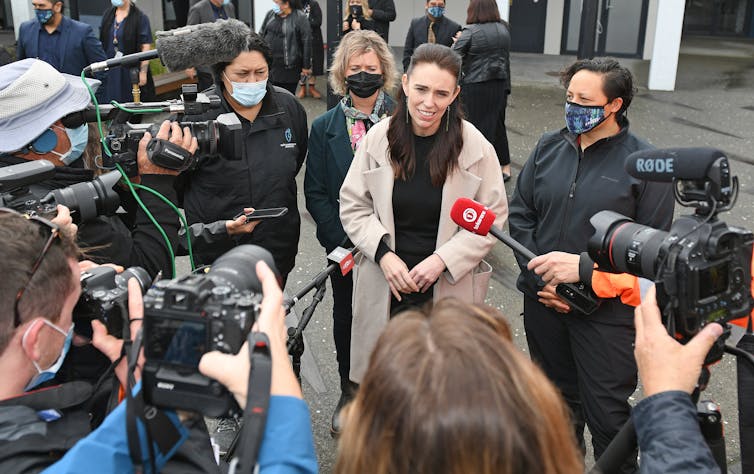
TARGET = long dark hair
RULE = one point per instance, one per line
(443, 158)
(482, 11)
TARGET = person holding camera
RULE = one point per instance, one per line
(571, 175)
(356, 16)
(275, 138)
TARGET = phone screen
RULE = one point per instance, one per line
(264, 213)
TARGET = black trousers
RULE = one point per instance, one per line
(342, 315)
(484, 104)
(590, 359)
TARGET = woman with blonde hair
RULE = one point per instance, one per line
(363, 72)
(356, 16)
(447, 392)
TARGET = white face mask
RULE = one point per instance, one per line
(248, 94)
(79, 137)
(47, 374)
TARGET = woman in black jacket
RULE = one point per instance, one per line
(314, 13)
(287, 32)
(125, 30)
(484, 45)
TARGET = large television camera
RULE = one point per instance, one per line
(85, 200)
(702, 266)
(222, 135)
(189, 316)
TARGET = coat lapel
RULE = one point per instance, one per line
(65, 33)
(339, 143)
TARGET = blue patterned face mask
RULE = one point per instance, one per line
(436, 12)
(583, 118)
(44, 16)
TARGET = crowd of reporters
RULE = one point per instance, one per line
(445, 389)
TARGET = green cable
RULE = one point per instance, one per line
(135, 111)
(183, 220)
(130, 185)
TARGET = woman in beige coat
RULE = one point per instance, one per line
(396, 199)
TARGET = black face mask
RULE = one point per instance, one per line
(357, 11)
(364, 84)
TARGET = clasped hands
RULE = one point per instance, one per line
(418, 279)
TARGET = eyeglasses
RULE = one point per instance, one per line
(45, 226)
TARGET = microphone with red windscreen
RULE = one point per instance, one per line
(479, 219)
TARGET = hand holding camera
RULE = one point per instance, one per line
(171, 132)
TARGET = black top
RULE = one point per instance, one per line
(416, 208)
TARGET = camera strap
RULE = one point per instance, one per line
(257, 400)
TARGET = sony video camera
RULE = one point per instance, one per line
(104, 296)
(222, 135)
(702, 266)
(189, 316)
(85, 200)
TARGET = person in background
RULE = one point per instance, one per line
(571, 175)
(395, 203)
(364, 73)
(356, 16)
(68, 45)
(207, 11)
(484, 45)
(308, 83)
(125, 30)
(286, 30)
(382, 12)
(433, 27)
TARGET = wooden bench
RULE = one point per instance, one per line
(171, 81)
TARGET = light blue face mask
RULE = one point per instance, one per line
(248, 94)
(116, 3)
(47, 374)
(276, 8)
(436, 12)
(79, 137)
(226, 2)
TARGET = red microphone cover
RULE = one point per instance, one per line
(472, 216)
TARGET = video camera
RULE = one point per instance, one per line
(702, 266)
(85, 200)
(189, 316)
(222, 135)
(104, 296)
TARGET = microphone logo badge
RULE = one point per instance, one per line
(469, 215)
(654, 165)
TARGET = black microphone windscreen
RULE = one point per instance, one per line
(665, 164)
(202, 45)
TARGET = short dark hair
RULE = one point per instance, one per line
(253, 43)
(49, 286)
(482, 11)
(617, 80)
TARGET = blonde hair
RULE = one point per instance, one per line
(364, 7)
(356, 43)
(446, 392)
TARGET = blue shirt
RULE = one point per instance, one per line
(48, 47)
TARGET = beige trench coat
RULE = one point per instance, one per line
(366, 212)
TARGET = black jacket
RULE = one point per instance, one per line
(560, 188)
(383, 12)
(220, 187)
(295, 53)
(669, 437)
(445, 29)
(485, 49)
(126, 239)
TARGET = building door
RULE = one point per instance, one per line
(718, 17)
(621, 27)
(527, 19)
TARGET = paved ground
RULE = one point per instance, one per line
(713, 106)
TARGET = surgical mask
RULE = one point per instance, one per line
(44, 16)
(364, 84)
(583, 118)
(276, 9)
(436, 12)
(226, 2)
(47, 374)
(116, 3)
(79, 137)
(248, 94)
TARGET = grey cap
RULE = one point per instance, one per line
(33, 96)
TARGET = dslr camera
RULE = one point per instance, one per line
(189, 316)
(702, 266)
(85, 200)
(104, 296)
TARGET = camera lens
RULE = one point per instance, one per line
(621, 245)
(237, 267)
(91, 199)
(206, 136)
(141, 275)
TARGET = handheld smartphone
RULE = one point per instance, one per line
(263, 213)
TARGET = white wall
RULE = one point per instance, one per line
(22, 11)
(554, 26)
(649, 37)
(667, 45)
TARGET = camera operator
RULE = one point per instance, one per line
(33, 99)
